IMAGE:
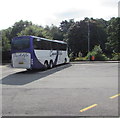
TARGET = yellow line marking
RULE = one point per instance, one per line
(114, 96)
(85, 109)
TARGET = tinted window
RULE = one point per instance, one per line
(45, 45)
(54, 45)
(48, 45)
(62, 46)
(42, 44)
(20, 44)
(35, 44)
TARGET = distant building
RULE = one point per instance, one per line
(119, 9)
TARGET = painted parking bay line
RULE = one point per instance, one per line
(87, 108)
(112, 97)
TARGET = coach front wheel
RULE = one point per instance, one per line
(65, 61)
(29, 69)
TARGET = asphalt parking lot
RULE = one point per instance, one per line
(75, 89)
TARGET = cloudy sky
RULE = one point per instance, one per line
(47, 12)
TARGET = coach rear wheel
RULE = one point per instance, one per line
(46, 65)
(51, 64)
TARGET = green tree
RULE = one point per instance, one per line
(33, 30)
(18, 27)
(78, 35)
(113, 39)
(65, 26)
(55, 33)
(6, 39)
(98, 33)
(97, 53)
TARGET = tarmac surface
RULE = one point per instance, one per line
(75, 89)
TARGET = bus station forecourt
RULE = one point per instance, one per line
(87, 88)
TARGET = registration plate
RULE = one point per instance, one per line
(21, 63)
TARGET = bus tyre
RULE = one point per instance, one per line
(46, 65)
(65, 61)
(51, 64)
(29, 69)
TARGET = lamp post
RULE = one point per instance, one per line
(88, 37)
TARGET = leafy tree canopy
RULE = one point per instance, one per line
(75, 33)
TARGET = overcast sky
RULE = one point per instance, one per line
(47, 12)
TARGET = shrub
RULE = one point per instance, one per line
(80, 59)
(116, 57)
(98, 54)
(72, 57)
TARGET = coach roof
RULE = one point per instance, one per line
(49, 39)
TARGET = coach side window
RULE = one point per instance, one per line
(36, 44)
(45, 45)
(62, 46)
(54, 46)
